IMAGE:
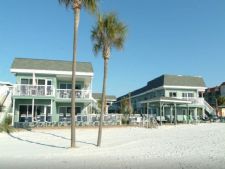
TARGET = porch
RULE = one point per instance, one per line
(172, 110)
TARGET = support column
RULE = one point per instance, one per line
(13, 113)
(171, 109)
(147, 115)
(188, 117)
(203, 112)
(51, 111)
(186, 114)
(196, 115)
(32, 119)
(175, 114)
(160, 113)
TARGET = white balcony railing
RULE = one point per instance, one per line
(33, 90)
(66, 94)
(48, 90)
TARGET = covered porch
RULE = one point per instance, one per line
(170, 110)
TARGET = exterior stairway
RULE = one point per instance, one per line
(201, 101)
(6, 104)
(209, 108)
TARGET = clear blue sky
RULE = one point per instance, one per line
(165, 36)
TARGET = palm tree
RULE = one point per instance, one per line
(76, 5)
(108, 32)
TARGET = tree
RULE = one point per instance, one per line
(221, 100)
(76, 5)
(108, 32)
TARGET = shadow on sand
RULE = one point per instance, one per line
(62, 137)
(47, 145)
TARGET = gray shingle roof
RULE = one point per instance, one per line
(169, 80)
(98, 96)
(44, 64)
(178, 80)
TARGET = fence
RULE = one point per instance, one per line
(81, 120)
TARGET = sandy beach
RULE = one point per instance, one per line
(200, 146)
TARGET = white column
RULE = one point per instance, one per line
(13, 113)
(160, 113)
(147, 115)
(90, 89)
(32, 110)
(175, 114)
(196, 114)
(51, 107)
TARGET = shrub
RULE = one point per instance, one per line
(5, 126)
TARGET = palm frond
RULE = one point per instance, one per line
(67, 3)
(91, 5)
(108, 32)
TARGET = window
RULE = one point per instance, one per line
(40, 110)
(173, 94)
(184, 95)
(40, 81)
(78, 110)
(26, 81)
(49, 82)
(65, 86)
(190, 94)
(78, 86)
(64, 111)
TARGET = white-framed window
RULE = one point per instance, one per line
(27, 81)
(68, 85)
(173, 94)
(187, 95)
(190, 95)
(65, 111)
(25, 111)
(38, 81)
(65, 86)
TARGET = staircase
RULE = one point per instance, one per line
(209, 109)
(95, 106)
(6, 104)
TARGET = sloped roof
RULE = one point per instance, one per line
(223, 84)
(179, 80)
(169, 80)
(44, 64)
(98, 96)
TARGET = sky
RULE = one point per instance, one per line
(181, 37)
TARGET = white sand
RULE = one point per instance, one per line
(176, 147)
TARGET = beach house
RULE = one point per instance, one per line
(43, 90)
(110, 99)
(171, 98)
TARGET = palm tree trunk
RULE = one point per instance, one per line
(73, 104)
(103, 102)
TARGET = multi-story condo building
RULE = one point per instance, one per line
(170, 98)
(43, 89)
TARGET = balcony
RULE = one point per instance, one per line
(48, 90)
(66, 94)
(33, 90)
